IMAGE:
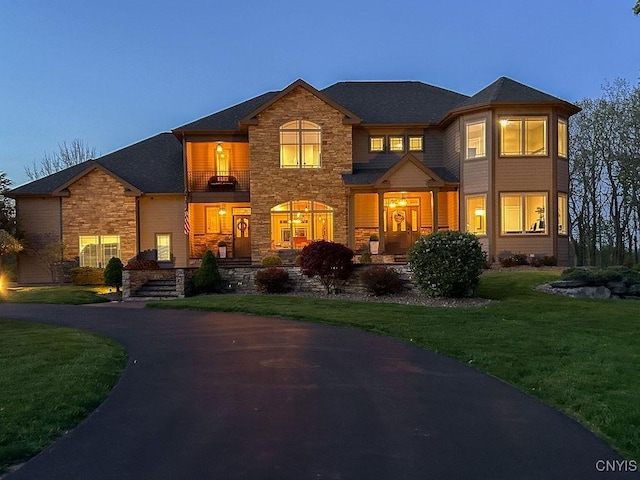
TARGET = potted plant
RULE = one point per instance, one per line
(222, 249)
(374, 244)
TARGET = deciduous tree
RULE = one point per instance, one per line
(67, 156)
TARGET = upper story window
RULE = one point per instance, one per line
(415, 143)
(376, 143)
(523, 136)
(476, 139)
(396, 143)
(300, 143)
(563, 139)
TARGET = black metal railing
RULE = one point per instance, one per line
(212, 181)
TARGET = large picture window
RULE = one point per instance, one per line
(476, 214)
(295, 224)
(523, 136)
(97, 250)
(523, 213)
(300, 143)
(476, 139)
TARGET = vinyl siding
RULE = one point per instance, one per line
(164, 214)
(37, 216)
(451, 148)
(366, 210)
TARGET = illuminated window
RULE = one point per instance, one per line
(376, 143)
(523, 136)
(295, 224)
(563, 214)
(163, 247)
(476, 214)
(562, 138)
(212, 217)
(96, 251)
(415, 143)
(523, 213)
(396, 143)
(300, 142)
(476, 138)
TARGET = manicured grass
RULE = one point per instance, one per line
(67, 295)
(50, 379)
(580, 356)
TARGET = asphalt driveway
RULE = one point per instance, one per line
(223, 396)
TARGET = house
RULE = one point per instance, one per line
(273, 173)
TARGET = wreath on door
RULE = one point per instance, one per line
(242, 225)
(398, 216)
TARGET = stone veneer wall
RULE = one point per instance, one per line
(96, 205)
(272, 185)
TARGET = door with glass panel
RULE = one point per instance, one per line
(402, 228)
(241, 236)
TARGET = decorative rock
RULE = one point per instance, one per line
(617, 288)
(598, 293)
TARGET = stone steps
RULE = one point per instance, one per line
(157, 289)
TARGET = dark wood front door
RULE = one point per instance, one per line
(402, 229)
(241, 236)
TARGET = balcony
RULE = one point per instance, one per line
(212, 181)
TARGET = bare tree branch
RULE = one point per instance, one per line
(67, 156)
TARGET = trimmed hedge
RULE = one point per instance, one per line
(447, 263)
(87, 276)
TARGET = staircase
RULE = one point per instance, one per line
(233, 262)
(400, 259)
(157, 290)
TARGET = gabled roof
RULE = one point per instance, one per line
(505, 90)
(229, 118)
(363, 175)
(90, 166)
(349, 117)
(389, 103)
(153, 165)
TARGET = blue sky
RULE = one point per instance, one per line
(115, 72)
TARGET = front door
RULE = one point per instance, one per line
(241, 236)
(402, 228)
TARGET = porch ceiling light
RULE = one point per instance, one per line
(403, 201)
(219, 147)
(222, 211)
(392, 203)
(504, 122)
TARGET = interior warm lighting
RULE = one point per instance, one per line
(392, 203)
(222, 211)
(504, 122)
(479, 212)
(403, 201)
(219, 147)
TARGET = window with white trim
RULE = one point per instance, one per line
(476, 214)
(163, 247)
(376, 143)
(97, 250)
(523, 213)
(476, 139)
(563, 139)
(563, 214)
(300, 143)
(523, 136)
(416, 143)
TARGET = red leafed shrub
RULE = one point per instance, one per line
(331, 262)
(381, 280)
(142, 265)
(272, 280)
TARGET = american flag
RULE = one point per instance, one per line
(187, 225)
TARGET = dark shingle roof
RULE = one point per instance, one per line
(153, 165)
(368, 176)
(506, 90)
(394, 102)
(228, 118)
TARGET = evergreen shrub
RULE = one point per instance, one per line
(447, 263)
(207, 278)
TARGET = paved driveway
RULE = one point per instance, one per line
(222, 396)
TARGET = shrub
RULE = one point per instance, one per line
(207, 278)
(520, 259)
(332, 262)
(545, 261)
(507, 262)
(447, 263)
(365, 257)
(142, 265)
(272, 280)
(381, 280)
(271, 261)
(602, 276)
(87, 276)
(113, 273)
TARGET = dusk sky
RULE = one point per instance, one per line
(115, 72)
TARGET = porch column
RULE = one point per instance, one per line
(434, 209)
(381, 221)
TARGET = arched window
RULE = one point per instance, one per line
(295, 224)
(300, 142)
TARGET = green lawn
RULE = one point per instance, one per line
(68, 295)
(579, 355)
(50, 379)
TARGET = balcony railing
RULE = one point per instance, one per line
(212, 181)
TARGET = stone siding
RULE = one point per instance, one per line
(97, 205)
(272, 185)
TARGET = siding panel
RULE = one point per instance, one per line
(164, 214)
